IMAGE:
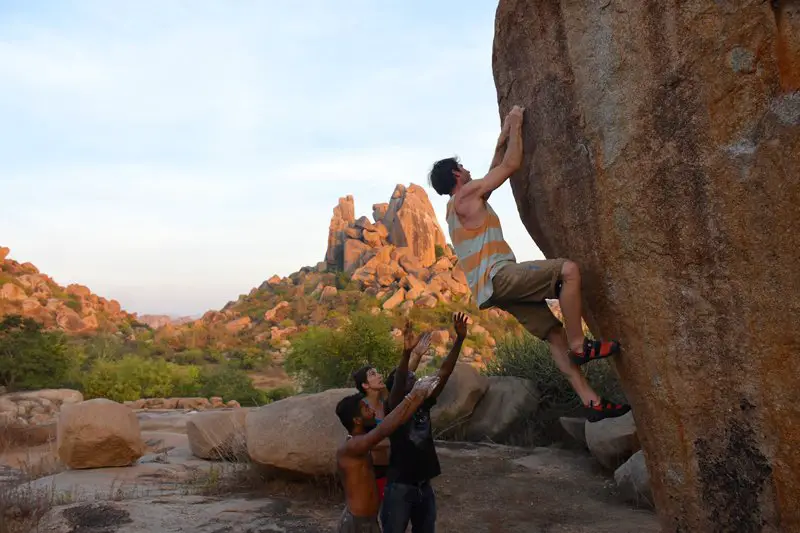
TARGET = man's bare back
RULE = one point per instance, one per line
(358, 477)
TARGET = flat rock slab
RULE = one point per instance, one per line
(172, 421)
(557, 463)
(484, 489)
(613, 440)
(154, 474)
(195, 514)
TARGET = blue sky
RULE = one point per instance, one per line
(173, 155)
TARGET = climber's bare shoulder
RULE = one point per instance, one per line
(470, 209)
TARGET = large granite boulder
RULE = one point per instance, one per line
(507, 402)
(458, 399)
(299, 434)
(218, 434)
(662, 153)
(98, 433)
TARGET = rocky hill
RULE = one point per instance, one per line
(397, 263)
(159, 321)
(73, 309)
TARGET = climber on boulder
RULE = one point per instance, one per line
(497, 280)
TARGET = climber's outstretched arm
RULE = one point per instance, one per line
(512, 160)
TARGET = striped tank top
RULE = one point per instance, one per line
(481, 251)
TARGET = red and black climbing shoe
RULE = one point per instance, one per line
(593, 350)
(605, 409)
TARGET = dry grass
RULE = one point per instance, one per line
(236, 473)
(241, 475)
(22, 507)
(25, 457)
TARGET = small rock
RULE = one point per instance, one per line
(427, 301)
(633, 481)
(575, 427)
(328, 293)
(478, 330)
(395, 299)
(613, 440)
(279, 312)
(193, 403)
(440, 336)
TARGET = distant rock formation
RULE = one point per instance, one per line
(74, 309)
(412, 223)
(402, 257)
(159, 321)
(407, 221)
(343, 216)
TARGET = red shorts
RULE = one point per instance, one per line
(381, 486)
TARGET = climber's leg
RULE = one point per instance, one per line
(534, 282)
(540, 322)
(569, 298)
(522, 290)
(582, 350)
(559, 350)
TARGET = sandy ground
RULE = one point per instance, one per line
(482, 489)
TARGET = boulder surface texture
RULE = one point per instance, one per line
(662, 154)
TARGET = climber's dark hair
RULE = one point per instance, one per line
(441, 176)
(360, 377)
(349, 408)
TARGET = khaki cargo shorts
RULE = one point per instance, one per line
(521, 289)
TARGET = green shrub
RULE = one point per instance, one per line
(322, 358)
(125, 329)
(192, 356)
(528, 357)
(104, 347)
(248, 358)
(231, 384)
(134, 377)
(73, 304)
(342, 280)
(287, 323)
(279, 393)
(31, 358)
(186, 380)
(439, 251)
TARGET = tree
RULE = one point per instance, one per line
(322, 358)
(231, 384)
(31, 358)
